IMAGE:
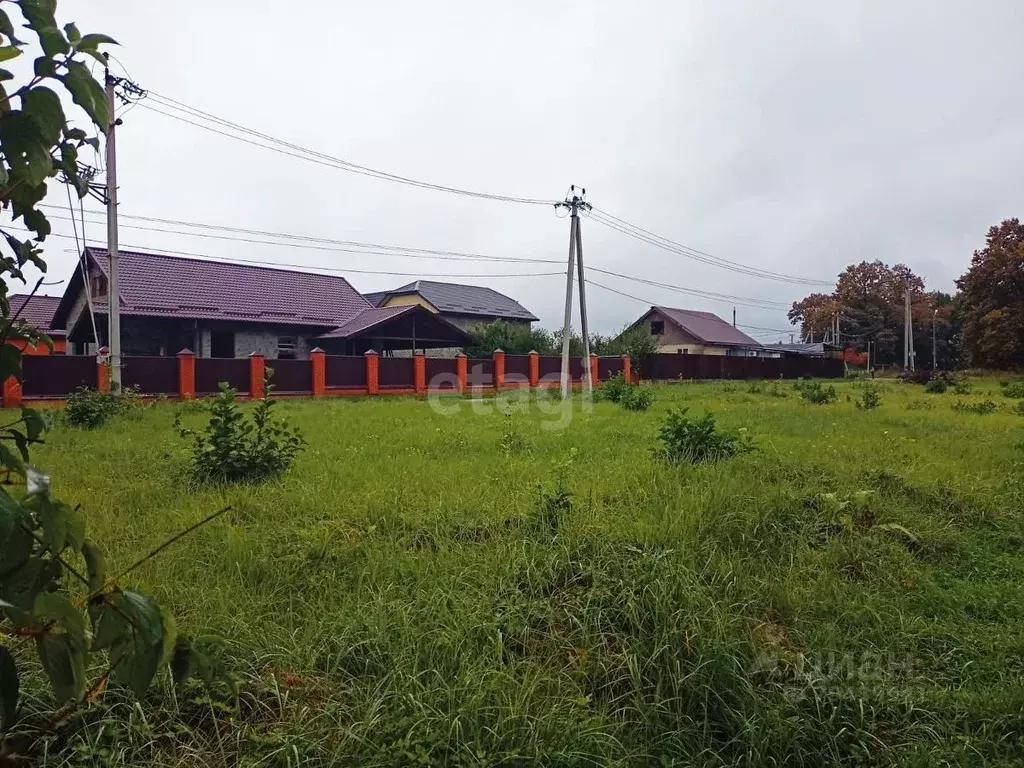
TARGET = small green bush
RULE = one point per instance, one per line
(1019, 408)
(233, 449)
(1013, 389)
(921, 404)
(936, 386)
(869, 399)
(89, 408)
(613, 389)
(637, 398)
(697, 440)
(815, 392)
(962, 387)
(982, 408)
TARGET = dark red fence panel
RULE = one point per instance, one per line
(609, 366)
(395, 372)
(666, 367)
(550, 365)
(292, 375)
(576, 368)
(345, 372)
(211, 371)
(517, 366)
(57, 375)
(152, 375)
(442, 372)
(480, 372)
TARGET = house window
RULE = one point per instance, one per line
(683, 351)
(657, 327)
(222, 344)
(286, 347)
(98, 286)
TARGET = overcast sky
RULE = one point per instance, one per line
(797, 136)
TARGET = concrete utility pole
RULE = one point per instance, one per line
(935, 354)
(574, 204)
(114, 296)
(734, 317)
(908, 336)
(588, 385)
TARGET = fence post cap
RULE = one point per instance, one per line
(499, 349)
(594, 354)
(625, 356)
(316, 350)
(255, 354)
(533, 352)
(103, 351)
(186, 352)
(419, 353)
(371, 352)
(461, 354)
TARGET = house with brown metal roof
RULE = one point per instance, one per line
(466, 306)
(224, 309)
(37, 312)
(689, 332)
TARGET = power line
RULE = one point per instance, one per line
(304, 153)
(426, 253)
(307, 267)
(638, 233)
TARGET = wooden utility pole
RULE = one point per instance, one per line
(113, 292)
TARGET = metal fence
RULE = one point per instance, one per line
(152, 375)
(291, 375)
(395, 372)
(664, 367)
(345, 372)
(211, 371)
(56, 375)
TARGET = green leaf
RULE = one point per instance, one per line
(137, 656)
(75, 524)
(87, 93)
(9, 52)
(7, 29)
(54, 608)
(90, 42)
(75, 134)
(10, 355)
(19, 587)
(43, 106)
(54, 521)
(182, 660)
(72, 32)
(44, 67)
(35, 423)
(64, 664)
(8, 689)
(10, 460)
(109, 624)
(95, 567)
(15, 551)
(40, 18)
(25, 147)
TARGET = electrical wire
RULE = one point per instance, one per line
(81, 263)
(304, 153)
(643, 235)
(423, 253)
(306, 267)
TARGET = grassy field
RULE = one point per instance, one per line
(393, 601)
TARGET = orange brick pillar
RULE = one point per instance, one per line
(499, 368)
(12, 393)
(462, 370)
(257, 372)
(534, 369)
(186, 374)
(627, 372)
(372, 372)
(318, 359)
(103, 369)
(419, 372)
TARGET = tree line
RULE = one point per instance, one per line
(980, 326)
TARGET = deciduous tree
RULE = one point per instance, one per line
(992, 300)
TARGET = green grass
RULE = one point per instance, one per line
(390, 602)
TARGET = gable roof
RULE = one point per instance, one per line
(706, 327)
(365, 320)
(403, 320)
(460, 299)
(172, 286)
(37, 311)
(375, 297)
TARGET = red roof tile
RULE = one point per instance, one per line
(36, 310)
